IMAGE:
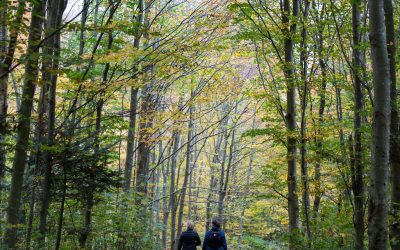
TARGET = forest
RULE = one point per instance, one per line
(122, 120)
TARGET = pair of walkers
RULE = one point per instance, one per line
(213, 240)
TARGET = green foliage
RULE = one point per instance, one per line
(253, 242)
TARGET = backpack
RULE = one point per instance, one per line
(215, 240)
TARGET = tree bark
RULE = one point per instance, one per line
(222, 177)
(61, 212)
(50, 64)
(131, 139)
(3, 88)
(378, 207)
(38, 160)
(172, 188)
(133, 106)
(5, 66)
(165, 173)
(217, 157)
(23, 130)
(303, 129)
(187, 169)
(321, 110)
(357, 185)
(84, 14)
(289, 70)
(144, 144)
(87, 220)
(192, 179)
(394, 129)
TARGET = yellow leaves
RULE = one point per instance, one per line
(63, 83)
(40, 82)
(133, 82)
(128, 54)
(111, 25)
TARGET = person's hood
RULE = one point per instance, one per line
(215, 229)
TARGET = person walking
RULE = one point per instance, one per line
(215, 238)
(189, 240)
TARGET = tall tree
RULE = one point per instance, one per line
(189, 152)
(166, 208)
(303, 128)
(358, 171)
(289, 31)
(321, 111)
(378, 207)
(172, 188)
(394, 129)
(222, 172)
(51, 53)
(133, 103)
(8, 40)
(144, 142)
(217, 160)
(225, 178)
(24, 124)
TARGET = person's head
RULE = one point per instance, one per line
(216, 223)
(190, 225)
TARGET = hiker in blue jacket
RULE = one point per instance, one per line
(215, 238)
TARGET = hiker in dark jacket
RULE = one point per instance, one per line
(189, 240)
(215, 238)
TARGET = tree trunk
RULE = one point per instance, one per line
(165, 173)
(50, 64)
(222, 176)
(131, 139)
(31, 216)
(172, 188)
(303, 129)
(100, 103)
(224, 181)
(38, 160)
(133, 108)
(144, 144)
(378, 226)
(31, 74)
(289, 71)
(85, 9)
(61, 212)
(215, 161)
(192, 179)
(187, 170)
(394, 129)
(157, 197)
(357, 185)
(3, 89)
(5, 66)
(87, 220)
(321, 110)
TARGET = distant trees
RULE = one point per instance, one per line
(328, 64)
